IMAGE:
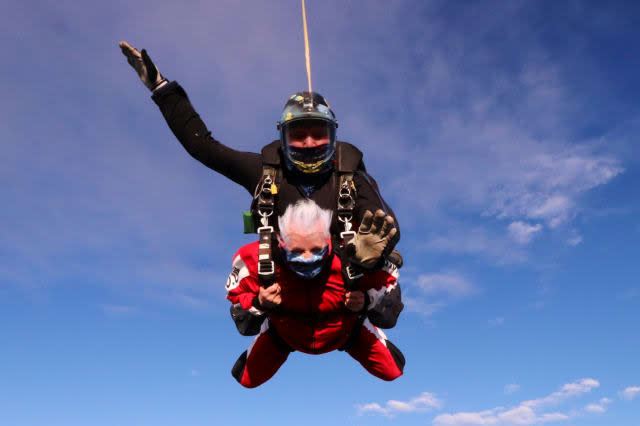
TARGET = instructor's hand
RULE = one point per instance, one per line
(270, 297)
(373, 236)
(144, 66)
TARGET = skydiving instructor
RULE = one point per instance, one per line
(307, 152)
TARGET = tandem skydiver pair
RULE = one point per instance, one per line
(303, 175)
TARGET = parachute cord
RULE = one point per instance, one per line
(306, 44)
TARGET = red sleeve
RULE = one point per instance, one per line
(242, 284)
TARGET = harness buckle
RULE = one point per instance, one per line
(351, 274)
(266, 268)
(347, 236)
(265, 228)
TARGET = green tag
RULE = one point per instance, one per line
(249, 224)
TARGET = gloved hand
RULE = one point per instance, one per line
(354, 300)
(373, 236)
(270, 297)
(141, 62)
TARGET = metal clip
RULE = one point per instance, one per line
(265, 228)
(347, 235)
(264, 220)
(346, 219)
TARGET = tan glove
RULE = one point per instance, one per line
(373, 236)
(144, 66)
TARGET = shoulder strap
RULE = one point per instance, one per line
(263, 208)
(348, 157)
(271, 154)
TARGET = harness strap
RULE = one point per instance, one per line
(347, 195)
(264, 205)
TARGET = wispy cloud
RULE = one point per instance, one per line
(630, 392)
(511, 388)
(429, 293)
(599, 407)
(522, 232)
(449, 283)
(424, 402)
(484, 156)
(477, 240)
(498, 416)
(527, 412)
(417, 305)
(575, 239)
(567, 391)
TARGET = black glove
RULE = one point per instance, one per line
(144, 66)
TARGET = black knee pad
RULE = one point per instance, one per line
(238, 368)
(397, 355)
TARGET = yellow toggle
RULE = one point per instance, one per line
(274, 189)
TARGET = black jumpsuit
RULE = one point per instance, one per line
(245, 168)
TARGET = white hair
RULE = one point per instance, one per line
(304, 215)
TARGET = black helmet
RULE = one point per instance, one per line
(308, 107)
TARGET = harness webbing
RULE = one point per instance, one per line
(264, 201)
(347, 195)
(265, 197)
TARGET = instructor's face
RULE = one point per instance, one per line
(307, 135)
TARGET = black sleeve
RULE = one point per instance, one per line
(247, 322)
(385, 313)
(243, 168)
(369, 198)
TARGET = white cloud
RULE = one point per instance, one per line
(575, 240)
(630, 392)
(595, 408)
(523, 233)
(479, 241)
(525, 413)
(511, 388)
(425, 402)
(548, 183)
(567, 391)
(517, 416)
(412, 304)
(436, 291)
(449, 283)
(599, 407)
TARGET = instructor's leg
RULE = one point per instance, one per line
(377, 355)
(264, 357)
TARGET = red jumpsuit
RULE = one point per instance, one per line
(312, 318)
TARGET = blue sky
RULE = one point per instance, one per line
(503, 134)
